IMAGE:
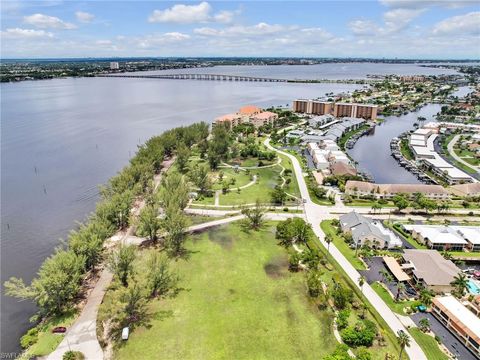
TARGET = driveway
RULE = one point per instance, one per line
(448, 339)
(376, 265)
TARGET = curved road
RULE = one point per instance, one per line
(451, 150)
(315, 214)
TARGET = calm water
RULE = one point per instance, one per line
(77, 133)
(61, 138)
(372, 152)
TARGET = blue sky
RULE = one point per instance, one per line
(383, 28)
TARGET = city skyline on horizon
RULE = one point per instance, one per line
(383, 29)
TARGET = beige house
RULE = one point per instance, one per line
(430, 269)
(387, 191)
(463, 190)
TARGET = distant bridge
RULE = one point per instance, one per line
(212, 77)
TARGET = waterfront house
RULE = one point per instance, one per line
(463, 190)
(428, 268)
(387, 191)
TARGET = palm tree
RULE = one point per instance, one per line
(376, 206)
(426, 297)
(400, 289)
(361, 281)
(460, 282)
(403, 340)
(384, 274)
(328, 240)
(424, 324)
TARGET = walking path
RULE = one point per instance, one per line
(82, 335)
(315, 214)
(450, 147)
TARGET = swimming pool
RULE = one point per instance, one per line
(473, 287)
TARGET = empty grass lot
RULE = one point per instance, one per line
(239, 302)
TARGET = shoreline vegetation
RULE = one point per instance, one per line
(57, 287)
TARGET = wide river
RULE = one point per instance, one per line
(61, 138)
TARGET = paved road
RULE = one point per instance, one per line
(315, 214)
(458, 158)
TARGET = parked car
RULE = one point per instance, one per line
(59, 330)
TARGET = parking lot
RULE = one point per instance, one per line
(376, 266)
(447, 338)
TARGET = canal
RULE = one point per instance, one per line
(372, 152)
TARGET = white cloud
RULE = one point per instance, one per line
(156, 40)
(398, 19)
(422, 4)
(84, 17)
(363, 27)
(17, 33)
(461, 24)
(188, 14)
(238, 30)
(47, 22)
(393, 21)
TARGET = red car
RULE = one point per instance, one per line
(59, 330)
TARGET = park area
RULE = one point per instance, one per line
(237, 300)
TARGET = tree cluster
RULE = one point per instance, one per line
(59, 279)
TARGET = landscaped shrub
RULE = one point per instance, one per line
(363, 354)
(342, 297)
(73, 355)
(30, 338)
(415, 305)
(362, 334)
(342, 319)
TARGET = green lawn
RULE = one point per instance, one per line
(239, 302)
(428, 344)
(407, 236)
(200, 219)
(241, 178)
(48, 342)
(341, 245)
(387, 298)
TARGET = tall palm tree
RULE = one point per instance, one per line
(460, 282)
(384, 274)
(328, 240)
(400, 289)
(403, 340)
(361, 281)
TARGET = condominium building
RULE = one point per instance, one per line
(114, 65)
(458, 319)
(314, 107)
(248, 114)
(387, 191)
(364, 111)
(263, 118)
